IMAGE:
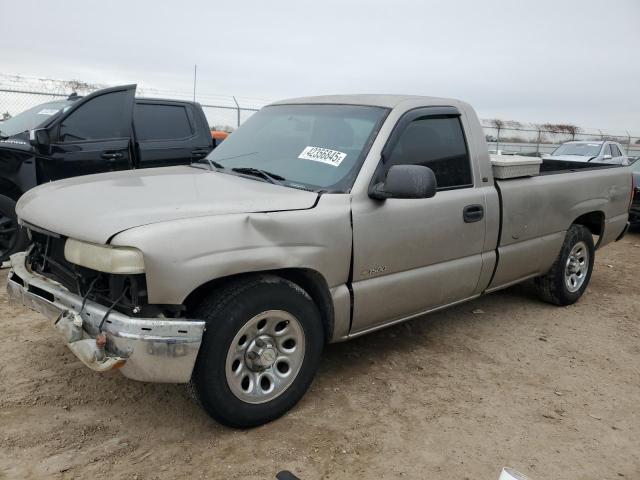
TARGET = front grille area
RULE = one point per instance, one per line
(124, 293)
(47, 258)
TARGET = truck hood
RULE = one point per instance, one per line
(96, 207)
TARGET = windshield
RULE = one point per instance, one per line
(581, 149)
(318, 147)
(32, 118)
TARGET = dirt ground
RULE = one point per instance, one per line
(502, 381)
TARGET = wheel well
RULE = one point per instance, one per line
(9, 189)
(309, 280)
(593, 221)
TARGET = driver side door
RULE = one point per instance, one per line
(93, 136)
(413, 255)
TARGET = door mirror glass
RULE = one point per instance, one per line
(39, 138)
(406, 181)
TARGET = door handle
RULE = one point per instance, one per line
(473, 213)
(111, 155)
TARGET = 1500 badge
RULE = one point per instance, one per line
(373, 271)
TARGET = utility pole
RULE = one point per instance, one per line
(195, 75)
(238, 110)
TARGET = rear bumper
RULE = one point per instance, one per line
(145, 349)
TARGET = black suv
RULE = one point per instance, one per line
(102, 132)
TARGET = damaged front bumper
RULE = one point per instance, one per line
(145, 349)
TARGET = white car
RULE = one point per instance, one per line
(594, 152)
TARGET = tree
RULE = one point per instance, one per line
(75, 85)
(498, 125)
(565, 128)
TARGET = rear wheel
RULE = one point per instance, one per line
(12, 237)
(260, 351)
(569, 276)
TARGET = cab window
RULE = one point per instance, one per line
(101, 118)
(437, 143)
(161, 122)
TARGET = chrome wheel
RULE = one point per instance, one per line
(265, 356)
(577, 267)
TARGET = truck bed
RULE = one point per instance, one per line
(535, 213)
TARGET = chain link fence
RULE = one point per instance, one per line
(227, 113)
(222, 115)
(534, 140)
(18, 94)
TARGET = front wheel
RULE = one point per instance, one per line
(569, 276)
(260, 351)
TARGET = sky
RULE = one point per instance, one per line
(560, 61)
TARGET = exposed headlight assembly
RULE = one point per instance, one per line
(104, 258)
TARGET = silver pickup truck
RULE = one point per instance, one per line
(319, 220)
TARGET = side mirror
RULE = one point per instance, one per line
(607, 157)
(39, 138)
(406, 181)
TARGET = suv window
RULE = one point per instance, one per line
(101, 118)
(615, 151)
(161, 122)
(607, 150)
(437, 143)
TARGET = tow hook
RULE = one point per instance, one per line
(92, 352)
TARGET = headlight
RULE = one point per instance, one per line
(104, 258)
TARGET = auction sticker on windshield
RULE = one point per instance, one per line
(324, 155)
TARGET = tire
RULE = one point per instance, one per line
(13, 238)
(569, 276)
(235, 348)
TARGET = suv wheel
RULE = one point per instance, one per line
(260, 350)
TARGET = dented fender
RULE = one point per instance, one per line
(183, 254)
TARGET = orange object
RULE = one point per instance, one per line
(219, 135)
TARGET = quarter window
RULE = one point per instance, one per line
(437, 143)
(161, 122)
(103, 117)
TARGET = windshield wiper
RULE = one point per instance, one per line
(214, 165)
(257, 172)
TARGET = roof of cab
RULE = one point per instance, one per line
(163, 100)
(387, 101)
